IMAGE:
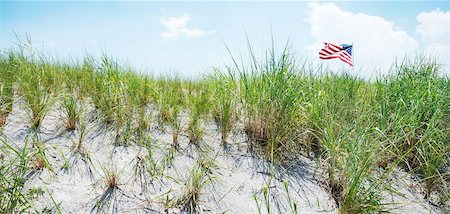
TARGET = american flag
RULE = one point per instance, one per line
(343, 52)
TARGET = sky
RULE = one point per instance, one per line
(189, 38)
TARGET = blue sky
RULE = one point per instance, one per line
(188, 37)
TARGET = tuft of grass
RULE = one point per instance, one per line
(13, 170)
(37, 99)
(141, 93)
(79, 147)
(124, 135)
(39, 159)
(193, 189)
(171, 103)
(198, 98)
(71, 110)
(110, 180)
(167, 159)
(270, 95)
(79, 150)
(4, 107)
(225, 107)
(2, 119)
(144, 120)
(145, 167)
(38, 163)
(414, 104)
(82, 133)
(6, 92)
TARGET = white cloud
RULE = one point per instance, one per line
(434, 27)
(376, 41)
(176, 28)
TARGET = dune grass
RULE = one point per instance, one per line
(6, 91)
(171, 102)
(271, 98)
(71, 110)
(12, 179)
(198, 95)
(196, 181)
(224, 111)
(358, 131)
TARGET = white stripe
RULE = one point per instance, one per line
(329, 50)
(345, 60)
(333, 48)
(342, 54)
(325, 53)
(336, 46)
(348, 55)
(331, 56)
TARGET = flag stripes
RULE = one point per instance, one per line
(332, 51)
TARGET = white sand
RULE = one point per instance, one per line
(238, 174)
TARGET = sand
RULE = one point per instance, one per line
(233, 182)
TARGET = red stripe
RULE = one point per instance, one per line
(328, 51)
(333, 48)
(345, 60)
(345, 56)
(324, 53)
(328, 57)
(336, 46)
(349, 63)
